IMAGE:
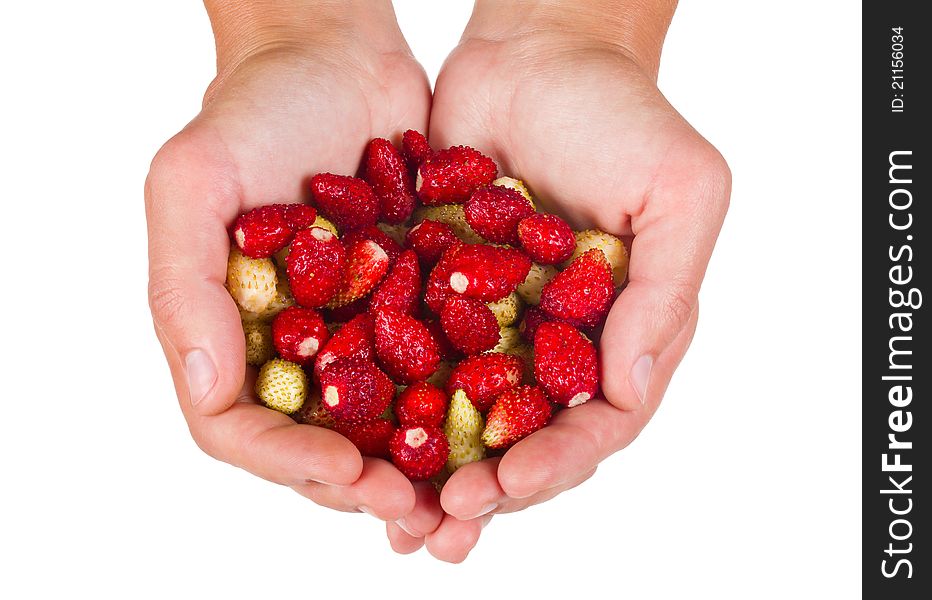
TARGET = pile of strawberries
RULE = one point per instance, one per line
(425, 309)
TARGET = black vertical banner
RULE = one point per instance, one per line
(897, 369)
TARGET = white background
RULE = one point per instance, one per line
(745, 485)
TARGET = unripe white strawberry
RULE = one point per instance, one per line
(325, 223)
(259, 348)
(452, 215)
(507, 310)
(517, 185)
(251, 281)
(282, 300)
(441, 375)
(536, 279)
(511, 342)
(612, 247)
(282, 386)
(396, 232)
(463, 429)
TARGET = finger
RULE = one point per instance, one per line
(381, 491)
(673, 239)
(272, 446)
(509, 505)
(454, 539)
(578, 439)
(188, 203)
(426, 515)
(473, 490)
(400, 541)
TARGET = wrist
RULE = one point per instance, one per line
(244, 28)
(634, 27)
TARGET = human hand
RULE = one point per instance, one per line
(301, 88)
(563, 95)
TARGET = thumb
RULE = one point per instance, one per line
(188, 201)
(674, 237)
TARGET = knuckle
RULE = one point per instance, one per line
(166, 300)
(679, 301)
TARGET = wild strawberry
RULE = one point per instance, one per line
(421, 404)
(392, 248)
(546, 238)
(259, 346)
(488, 273)
(565, 363)
(582, 294)
(371, 438)
(404, 346)
(347, 201)
(282, 385)
(452, 215)
(419, 452)
(252, 282)
(463, 429)
(415, 149)
(438, 282)
(366, 264)
(533, 317)
(315, 266)
(384, 169)
(355, 390)
(401, 288)
(356, 339)
(507, 309)
(515, 415)
(300, 216)
(451, 175)
(347, 312)
(612, 247)
(485, 376)
(429, 239)
(536, 279)
(263, 231)
(447, 350)
(470, 325)
(298, 333)
(312, 412)
(517, 185)
(494, 213)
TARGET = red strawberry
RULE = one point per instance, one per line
(415, 148)
(347, 312)
(391, 247)
(385, 170)
(485, 377)
(565, 364)
(533, 317)
(494, 213)
(404, 346)
(300, 216)
(470, 325)
(438, 282)
(347, 201)
(429, 239)
(447, 350)
(421, 404)
(450, 176)
(315, 266)
(401, 288)
(355, 390)
(263, 231)
(356, 339)
(515, 415)
(298, 333)
(547, 239)
(582, 294)
(370, 438)
(488, 273)
(419, 452)
(366, 264)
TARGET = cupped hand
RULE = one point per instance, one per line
(582, 121)
(278, 112)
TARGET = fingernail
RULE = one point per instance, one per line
(202, 375)
(640, 375)
(407, 529)
(485, 520)
(366, 510)
(485, 510)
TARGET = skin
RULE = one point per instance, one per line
(561, 94)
